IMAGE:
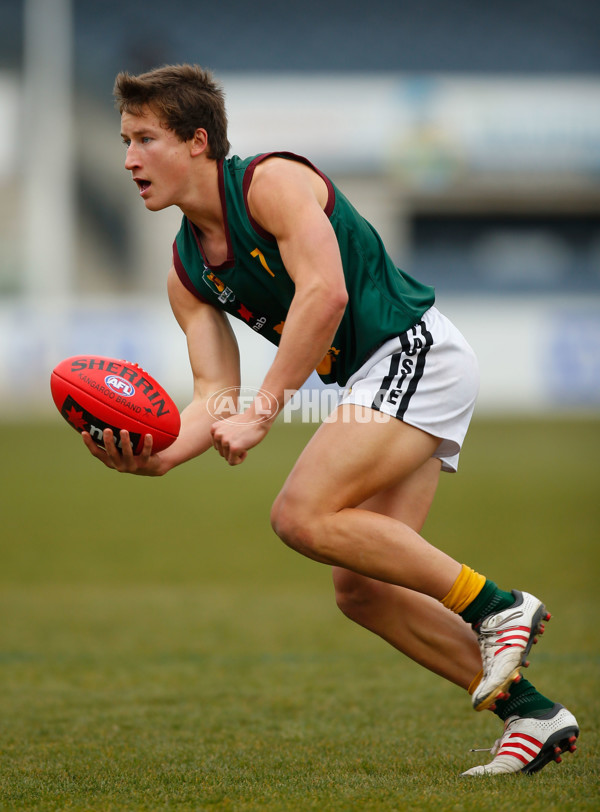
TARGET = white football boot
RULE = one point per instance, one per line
(504, 640)
(528, 744)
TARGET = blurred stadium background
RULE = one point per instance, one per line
(159, 648)
(471, 140)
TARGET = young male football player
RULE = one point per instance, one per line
(271, 241)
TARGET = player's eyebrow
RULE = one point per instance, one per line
(140, 132)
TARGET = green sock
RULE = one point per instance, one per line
(523, 700)
(490, 599)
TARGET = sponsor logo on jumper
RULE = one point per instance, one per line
(244, 313)
(256, 322)
(259, 323)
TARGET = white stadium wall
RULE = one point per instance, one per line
(400, 146)
(535, 357)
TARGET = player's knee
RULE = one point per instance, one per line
(291, 523)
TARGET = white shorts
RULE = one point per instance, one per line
(427, 377)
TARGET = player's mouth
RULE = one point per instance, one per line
(143, 185)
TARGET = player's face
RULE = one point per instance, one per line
(156, 158)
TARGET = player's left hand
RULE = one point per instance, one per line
(236, 435)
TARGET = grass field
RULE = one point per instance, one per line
(160, 649)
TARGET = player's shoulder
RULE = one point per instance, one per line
(284, 180)
(274, 168)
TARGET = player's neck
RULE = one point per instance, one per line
(202, 204)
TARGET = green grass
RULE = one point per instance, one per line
(161, 649)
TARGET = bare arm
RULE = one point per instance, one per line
(287, 200)
(284, 199)
(215, 364)
(214, 359)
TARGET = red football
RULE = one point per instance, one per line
(93, 393)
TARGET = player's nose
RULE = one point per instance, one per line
(131, 157)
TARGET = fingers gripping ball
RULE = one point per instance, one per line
(93, 393)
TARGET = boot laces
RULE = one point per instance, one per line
(497, 744)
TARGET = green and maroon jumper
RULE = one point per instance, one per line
(254, 286)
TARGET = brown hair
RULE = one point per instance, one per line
(184, 97)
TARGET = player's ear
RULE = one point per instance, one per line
(199, 142)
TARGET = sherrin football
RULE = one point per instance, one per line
(93, 393)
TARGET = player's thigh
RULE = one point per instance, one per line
(409, 500)
(354, 455)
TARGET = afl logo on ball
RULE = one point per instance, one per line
(119, 385)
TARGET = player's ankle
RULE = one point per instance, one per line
(490, 599)
(524, 700)
(473, 597)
